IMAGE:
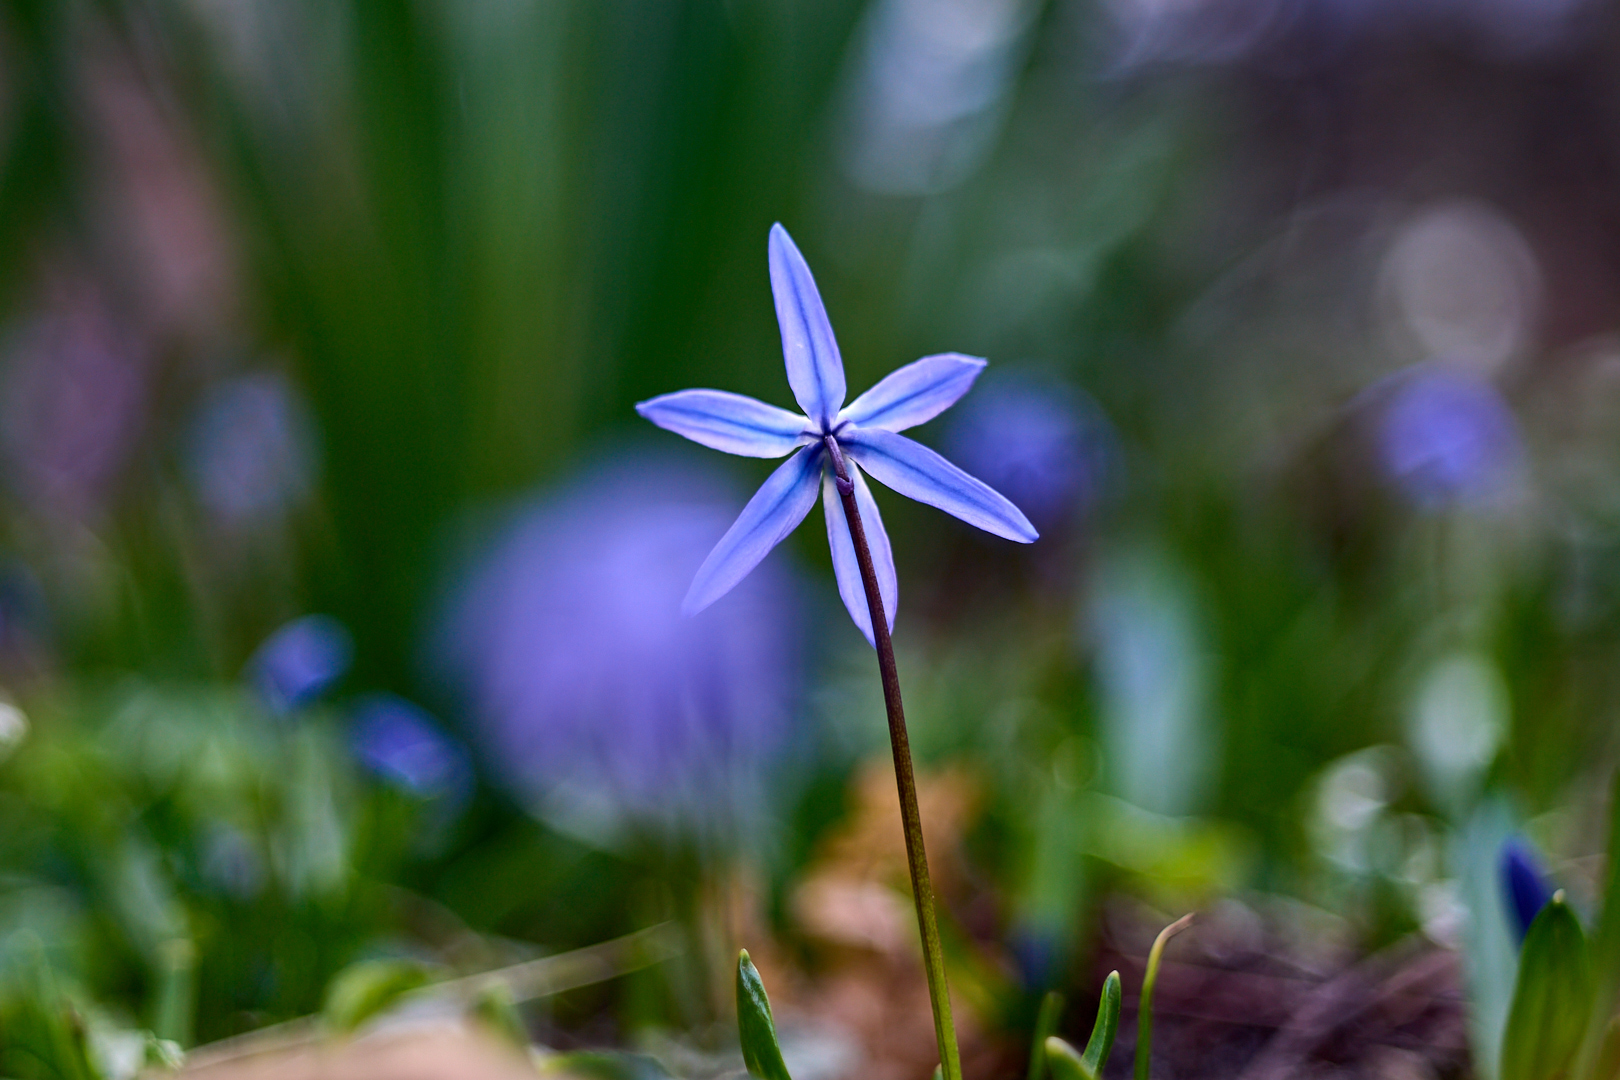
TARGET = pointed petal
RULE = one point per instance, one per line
(729, 422)
(917, 392)
(775, 510)
(814, 369)
(918, 473)
(846, 568)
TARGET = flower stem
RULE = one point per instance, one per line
(922, 889)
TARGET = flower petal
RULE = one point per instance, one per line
(917, 392)
(775, 510)
(846, 568)
(814, 369)
(918, 473)
(729, 422)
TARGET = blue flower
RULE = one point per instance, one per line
(1040, 442)
(300, 662)
(1524, 884)
(866, 430)
(608, 713)
(401, 743)
(1447, 438)
(252, 449)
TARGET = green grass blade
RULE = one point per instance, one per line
(1065, 1061)
(1106, 1027)
(756, 1028)
(1046, 1022)
(1144, 1013)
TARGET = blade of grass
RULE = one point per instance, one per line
(1144, 1012)
(1046, 1022)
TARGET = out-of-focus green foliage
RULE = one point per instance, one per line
(468, 236)
(182, 841)
(47, 1031)
(1552, 999)
(363, 990)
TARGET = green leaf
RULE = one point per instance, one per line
(1067, 1063)
(1106, 1027)
(1046, 1022)
(1150, 978)
(1552, 999)
(363, 990)
(755, 1027)
(495, 1009)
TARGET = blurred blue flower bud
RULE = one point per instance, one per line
(1040, 442)
(1039, 954)
(1444, 437)
(1524, 885)
(595, 698)
(300, 662)
(404, 746)
(252, 449)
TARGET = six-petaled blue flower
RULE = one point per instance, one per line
(866, 430)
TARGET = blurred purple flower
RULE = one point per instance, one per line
(403, 745)
(866, 431)
(74, 401)
(594, 697)
(1524, 883)
(252, 448)
(1045, 446)
(1443, 437)
(300, 662)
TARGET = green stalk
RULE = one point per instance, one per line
(922, 889)
(1046, 1022)
(177, 990)
(1144, 1008)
